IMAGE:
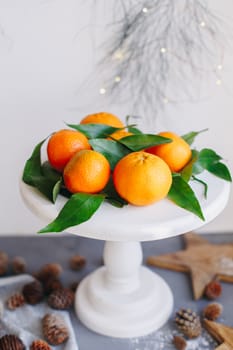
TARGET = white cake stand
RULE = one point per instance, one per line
(122, 298)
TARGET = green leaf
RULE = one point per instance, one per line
(112, 150)
(208, 157)
(48, 187)
(32, 167)
(78, 209)
(142, 141)
(220, 170)
(190, 137)
(49, 172)
(112, 196)
(183, 196)
(93, 131)
(203, 183)
(134, 130)
(187, 171)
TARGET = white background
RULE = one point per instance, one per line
(47, 49)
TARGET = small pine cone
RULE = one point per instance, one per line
(18, 265)
(77, 262)
(73, 286)
(3, 263)
(188, 322)
(54, 329)
(213, 290)
(179, 342)
(11, 342)
(61, 299)
(15, 301)
(33, 292)
(52, 284)
(40, 345)
(52, 270)
(212, 311)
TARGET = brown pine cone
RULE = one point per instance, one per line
(40, 345)
(18, 265)
(213, 290)
(11, 342)
(52, 284)
(77, 262)
(33, 292)
(54, 329)
(188, 322)
(3, 263)
(52, 270)
(15, 301)
(179, 342)
(212, 311)
(61, 299)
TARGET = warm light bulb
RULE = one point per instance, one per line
(202, 24)
(118, 55)
(163, 50)
(102, 91)
(117, 79)
(218, 82)
(220, 67)
(165, 100)
(145, 10)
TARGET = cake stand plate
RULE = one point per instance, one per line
(123, 298)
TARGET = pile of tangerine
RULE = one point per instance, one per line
(141, 178)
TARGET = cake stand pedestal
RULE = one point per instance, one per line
(123, 298)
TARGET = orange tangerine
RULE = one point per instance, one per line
(88, 171)
(142, 178)
(176, 153)
(103, 118)
(63, 144)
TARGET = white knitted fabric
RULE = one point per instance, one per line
(25, 321)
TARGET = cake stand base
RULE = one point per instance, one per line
(134, 304)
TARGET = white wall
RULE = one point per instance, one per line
(47, 48)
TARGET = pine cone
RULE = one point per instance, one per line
(52, 284)
(179, 342)
(73, 286)
(212, 311)
(3, 263)
(11, 342)
(15, 301)
(48, 271)
(54, 329)
(33, 292)
(18, 265)
(40, 345)
(188, 322)
(77, 262)
(213, 290)
(61, 299)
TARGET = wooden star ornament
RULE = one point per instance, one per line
(203, 260)
(221, 333)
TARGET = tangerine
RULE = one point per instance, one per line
(176, 153)
(103, 118)
(63, 144)
(142, 178)
(87, 171)
(119, 134)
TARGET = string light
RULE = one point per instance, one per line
(117, 79)
(218, 82)
(203, 24)
(118, 55)
(102, 91)
(165, 100)
(220, 67)
(145, 10)
(163, 50)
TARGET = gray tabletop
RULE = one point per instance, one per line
(38, 250)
